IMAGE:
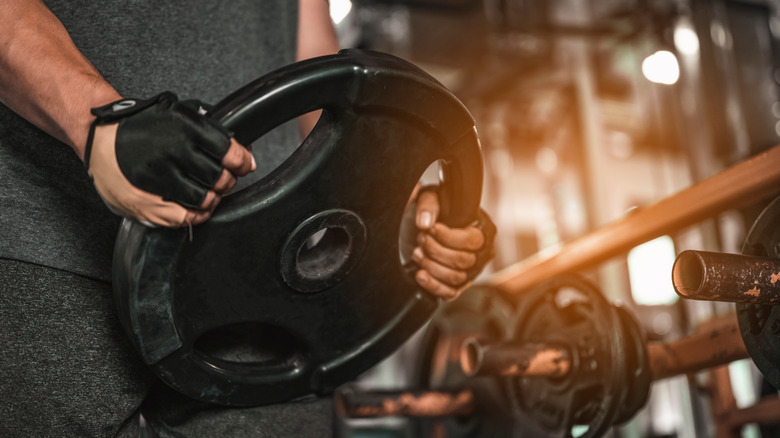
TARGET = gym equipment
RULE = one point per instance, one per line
(714, 342)
(638, 372)
(480, 313)
(254, 310)
(760, 323)
(736, 278)
(513, 359)
(569, 311)
(752, 280)
(569, 328)
(739, 185)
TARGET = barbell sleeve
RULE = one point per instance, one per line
(512, 359)
(736, 278)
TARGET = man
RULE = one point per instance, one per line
(66, 368)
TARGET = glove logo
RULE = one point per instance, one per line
(123, 105)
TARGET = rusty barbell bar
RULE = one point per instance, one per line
(716, 342)
(751, 180)
(736, 278)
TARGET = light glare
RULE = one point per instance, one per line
(661, 67)
(650, 272)
(339, 9)
(686, 41)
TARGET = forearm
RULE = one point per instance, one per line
(316, 37)
(43, 76)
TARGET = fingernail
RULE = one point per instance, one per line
(417, 254)
(254, 163)
(422, 278)
(424, 220)
(421, 238)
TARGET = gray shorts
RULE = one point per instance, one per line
(67, 370)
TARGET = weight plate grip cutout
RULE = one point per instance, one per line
(251, 311)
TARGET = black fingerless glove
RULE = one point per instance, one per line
(486, 253)
(165, 147)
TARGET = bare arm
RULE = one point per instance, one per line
(316, 37)
(43, 76)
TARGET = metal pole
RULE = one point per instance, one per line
(716, 342)
(751, 180)
(736, 278)
(765, 411)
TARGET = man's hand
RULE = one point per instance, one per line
(161, 162)
(449, 258)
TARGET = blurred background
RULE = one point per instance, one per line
(588, 110)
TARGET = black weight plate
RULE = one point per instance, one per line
(479, 312)
(246, 313)
(569, 311)
(760, 324)
(638, 377)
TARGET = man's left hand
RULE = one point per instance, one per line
(449, 258)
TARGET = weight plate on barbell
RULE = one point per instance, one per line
(568, 311)
(638, 378)
(760, 324)
(252, 311)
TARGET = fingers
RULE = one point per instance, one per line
(211, 201)
(427, 212)
(226, 182)
(447, 256)
(238, 159)
(443, 273)
(466, 239)
(195, 217)
(436, 287)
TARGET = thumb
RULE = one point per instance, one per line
(427, 209)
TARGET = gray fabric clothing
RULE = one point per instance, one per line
(66, 369)
(50, 213)
(173, 415)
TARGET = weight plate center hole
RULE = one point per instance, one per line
(323, 253)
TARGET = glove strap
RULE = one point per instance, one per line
(115, 111)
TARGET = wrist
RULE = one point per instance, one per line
(78, 131)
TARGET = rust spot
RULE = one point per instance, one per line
(753, 292)
(774, 278)
(512, 370)
(548, 362)
(430, 404)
